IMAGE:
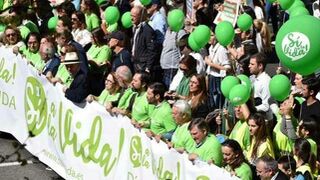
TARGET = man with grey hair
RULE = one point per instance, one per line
(267, 169)
(124, 104)
(52, 62)
(181, 138)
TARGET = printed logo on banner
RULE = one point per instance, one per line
(295, 45)
(137, 156)
(38, 117)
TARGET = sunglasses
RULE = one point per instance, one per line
(11, 34)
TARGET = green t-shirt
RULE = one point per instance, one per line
(142, 110)
(112, 28)
(99, 54)
(64, 75)
(124, 100)
(243, 171)
(182, 138)
(161, 119)
(106, 97)
(32, 27)
(92, 21)
(210, 150)
(183, 87)
(34, 58)
(241, 134)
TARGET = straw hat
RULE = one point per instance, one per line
(71, 58)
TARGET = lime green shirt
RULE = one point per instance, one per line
(92, 21)
(112, 28)
(34, 58)
(243, 171)
(124, 100)
(99, 54)
(161, 119)
(183, 87)
(142, 110)
(182, 138)
(241, 134)
(64, 75)
(106, 97)
(282, 144)
(265, 148)
(313, 146)
(210, 150)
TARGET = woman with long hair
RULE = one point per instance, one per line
(261, 143)
(12, 39)
(234, 160)
(306, 163)
(263, 36)
(92, 13)
(79, 29)
(198, 96)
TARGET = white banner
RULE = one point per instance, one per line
(84, 141)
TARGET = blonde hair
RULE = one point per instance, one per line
(263, 29)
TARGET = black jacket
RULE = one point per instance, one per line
(78, 90)
(145, 50)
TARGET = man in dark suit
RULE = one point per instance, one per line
(267, 169)
(78, 90)
(145, 52)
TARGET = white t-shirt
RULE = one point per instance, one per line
(258, 12)
(218, 55)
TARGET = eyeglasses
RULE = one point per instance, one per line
(11, 34)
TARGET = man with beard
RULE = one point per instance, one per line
(121, 55)
(162, 123)
(141, 109)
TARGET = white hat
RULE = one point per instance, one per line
(71, 58)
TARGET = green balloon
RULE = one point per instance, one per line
(52, 23)
(227, 83)
(145, 2)
(286, 4)
(297, 44)
(239, 94)
(24, 31)
(245, 80)
(175, 19)
(202, 35)
(112, 14)
(244, 22)
(126, 20)
(279, 87)
(299, 11)
(296, 3)
(224, 33)
(192, 43)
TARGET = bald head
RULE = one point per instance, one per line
(136, 15)
(124, 75)
(47, 51)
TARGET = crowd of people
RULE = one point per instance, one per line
(150, 74)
